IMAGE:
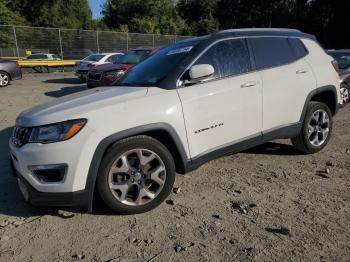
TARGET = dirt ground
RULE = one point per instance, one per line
(265, 204)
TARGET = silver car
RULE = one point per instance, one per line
(82, 67)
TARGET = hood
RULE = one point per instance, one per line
(78, 105)
(110, 67)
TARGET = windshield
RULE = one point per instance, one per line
(94, 58)
(133, 57)
(343, 59)
(157, 67)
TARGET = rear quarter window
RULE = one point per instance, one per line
(298, 47)
(271, 51)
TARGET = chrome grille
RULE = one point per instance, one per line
(20, 135)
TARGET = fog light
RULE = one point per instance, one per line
(55, 173)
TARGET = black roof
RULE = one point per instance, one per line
(254, 32)
(335, 51)
(265, 32)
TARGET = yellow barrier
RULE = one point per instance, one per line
(46, 63)
(11, 58)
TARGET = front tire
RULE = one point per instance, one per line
(316, 129)
(4, 79)
(136, 175)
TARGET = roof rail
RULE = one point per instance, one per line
(242, 30)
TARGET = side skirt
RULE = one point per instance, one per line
(276, 133)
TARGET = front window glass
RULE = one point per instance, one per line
(229, 57)
(114, 58)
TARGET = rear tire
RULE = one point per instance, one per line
(4, 79)
(136, 175)
(344, 94)
(316, 129)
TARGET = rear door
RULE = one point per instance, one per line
(287, 79)
(227, 108)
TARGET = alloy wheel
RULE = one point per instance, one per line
(137, 177)
(318, 127)
(4, 79)
(344, 95)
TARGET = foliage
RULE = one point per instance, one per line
(144, 16)
(54, 13)
(8, 17)
(327, 19)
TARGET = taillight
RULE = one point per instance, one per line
(92, 65)
(335, 66)
(17, 64)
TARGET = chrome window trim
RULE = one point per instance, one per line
(251, 54)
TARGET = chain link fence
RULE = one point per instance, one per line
(19, 41)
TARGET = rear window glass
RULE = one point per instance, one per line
(94, 58)
(298, 47)
(271, 51)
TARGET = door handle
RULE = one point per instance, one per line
(301, 71)
(248, 84)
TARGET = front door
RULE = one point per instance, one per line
(226, 108)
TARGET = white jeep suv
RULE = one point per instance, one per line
(191, 102)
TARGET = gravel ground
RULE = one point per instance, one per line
(265, 204)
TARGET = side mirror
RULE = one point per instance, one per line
(200, 72)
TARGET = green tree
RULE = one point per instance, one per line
(144, 16)
(8, 17)
(205, 26)
(54, 13)
(200, 15)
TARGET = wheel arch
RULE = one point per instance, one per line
(324, 94)
(4, 71)
(162, 132)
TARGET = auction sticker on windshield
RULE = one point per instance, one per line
(180, 50)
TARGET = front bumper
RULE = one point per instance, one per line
(92, 83)
(79, 199)
(81, 73)
(73, 190)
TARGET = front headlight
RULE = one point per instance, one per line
(114, 74)
(56, 132)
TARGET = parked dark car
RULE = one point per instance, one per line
(343, 58)
(107, 74)
(9, 70)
